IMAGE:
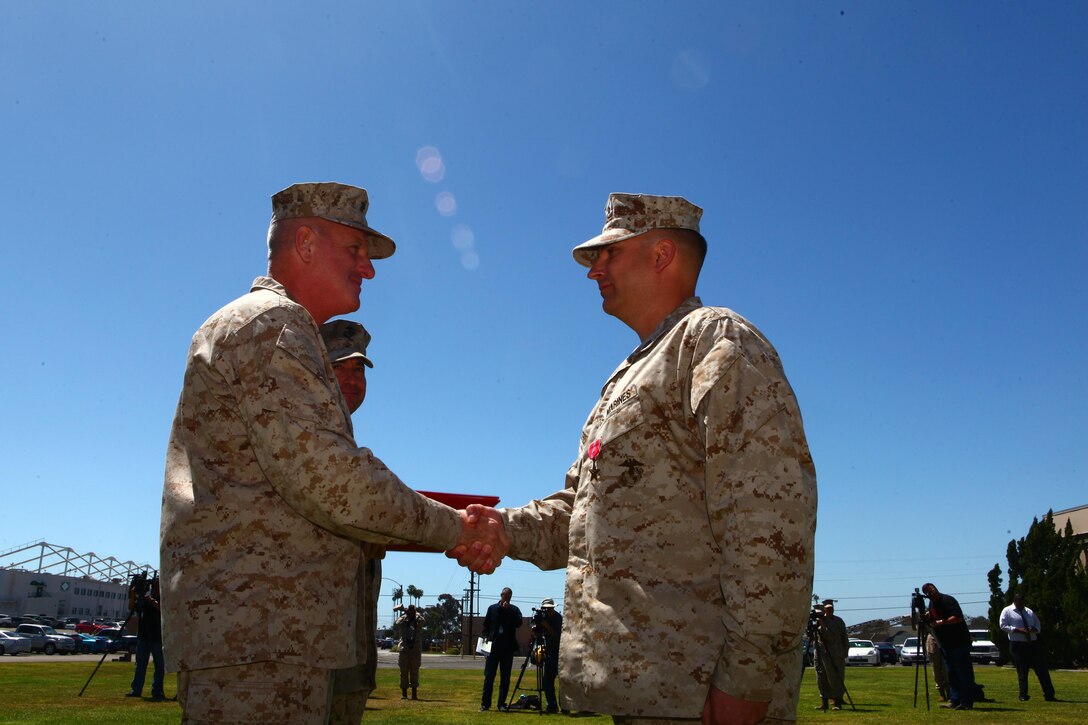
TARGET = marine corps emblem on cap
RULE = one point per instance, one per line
(345, 339)
(338, 203)
(628, 215)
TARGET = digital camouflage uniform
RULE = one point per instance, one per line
(936, 659)
(345, 340)
(266, 497)
(411, 652)
(686, 528)
(831, 659)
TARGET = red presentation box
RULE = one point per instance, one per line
(454, 500)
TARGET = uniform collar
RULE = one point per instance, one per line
(269, 284)
(674, 317)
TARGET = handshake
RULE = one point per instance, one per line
(483, 542)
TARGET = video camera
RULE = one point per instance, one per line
(917, 608)
(139, 589)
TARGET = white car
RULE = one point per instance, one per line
(983, 651)
(911, 654)
(11, 644)
(862, 652)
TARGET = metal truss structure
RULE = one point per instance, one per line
(44, 558)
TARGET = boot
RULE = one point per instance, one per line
(414, 694)
(836, 704)
(822, 705)
(404, 693)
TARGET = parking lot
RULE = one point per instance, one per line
(386, 659)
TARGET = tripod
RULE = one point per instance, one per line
(106, 653)
(538, 653)
(918, 618)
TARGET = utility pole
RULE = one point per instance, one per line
(471, 592)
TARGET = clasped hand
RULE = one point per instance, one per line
(483, 542)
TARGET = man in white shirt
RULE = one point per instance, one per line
(1023, 626)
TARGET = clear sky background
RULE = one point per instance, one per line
(895, 193)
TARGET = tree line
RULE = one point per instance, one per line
(1047, 566)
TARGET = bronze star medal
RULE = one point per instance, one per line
(592, 453)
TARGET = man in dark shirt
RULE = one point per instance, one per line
(501, 629)
(950, 627)
(549, 626)
(145, 603)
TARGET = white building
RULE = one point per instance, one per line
(42, 578)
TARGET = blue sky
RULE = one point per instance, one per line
(895, 193)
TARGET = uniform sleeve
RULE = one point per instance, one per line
(761, 501)
(301, 441)
(539, 530)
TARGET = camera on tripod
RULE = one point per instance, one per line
(139, 589)
(917, 608)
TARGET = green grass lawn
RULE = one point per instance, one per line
(47, 692)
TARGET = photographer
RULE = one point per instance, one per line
(832, 647)
(143, 599)
(946, 618)
(410, 628)
(547, 627)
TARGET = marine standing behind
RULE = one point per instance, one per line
(346, 343)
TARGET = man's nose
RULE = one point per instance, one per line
(364, 265)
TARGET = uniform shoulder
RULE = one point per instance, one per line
(724, 322)
(261, 308)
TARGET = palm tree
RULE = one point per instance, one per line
(398, 597)
(414, 592)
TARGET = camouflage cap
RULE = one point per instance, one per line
(338, 203)
(548, 603)
(345, 339)
(628, 215)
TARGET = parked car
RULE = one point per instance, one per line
(983, 651)
(45, 639)
(862, 652)
(118, 642)
(85, 627)
(6, 620)
(385, 643)
(13, 644)
(888, 652)
(911, 653)
(86, 644)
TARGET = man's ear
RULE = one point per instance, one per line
(305, 238)
(664, 253)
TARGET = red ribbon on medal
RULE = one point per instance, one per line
(592, 453)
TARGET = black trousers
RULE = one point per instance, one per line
(501, 661)
(550, 672)
(1030, 655)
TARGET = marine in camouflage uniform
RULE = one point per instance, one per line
(346, 343)
(834, 648)
(936, 659)
(687, 522)
(410, 629)
(266, 493)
